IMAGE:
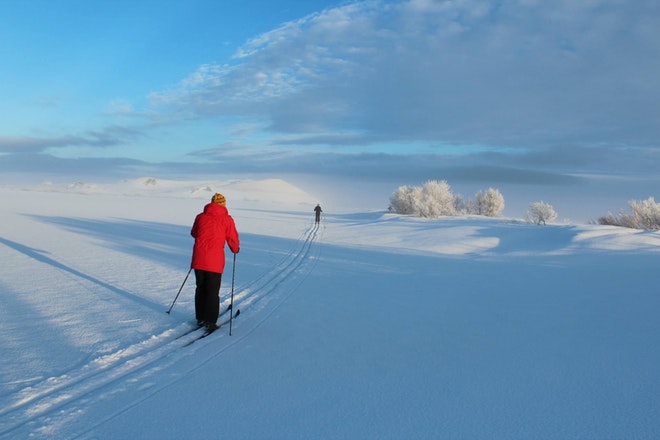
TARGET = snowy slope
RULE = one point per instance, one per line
(370, 326)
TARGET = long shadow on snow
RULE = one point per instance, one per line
(39, 255)
(162, 243)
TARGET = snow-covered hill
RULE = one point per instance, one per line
(370, 326)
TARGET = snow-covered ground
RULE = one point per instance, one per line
(371, 326)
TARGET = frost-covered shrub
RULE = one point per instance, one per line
(433, 199)
(645, 215)
(540, 212)
(490, 203)
(623, 219)
(436, 199)
(467, 207)
(405, 200)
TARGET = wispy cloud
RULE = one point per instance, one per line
(105, 137)
(560, 94)
(88, 168)
(517, 72)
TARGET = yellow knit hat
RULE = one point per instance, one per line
(219, 199)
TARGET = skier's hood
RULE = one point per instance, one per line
(215, 209)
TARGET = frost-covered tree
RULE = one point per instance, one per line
(437, 199)
(645, 215)
(405, 200)
(467, 207)
(540, 212)
(490, 203)
(433, 199)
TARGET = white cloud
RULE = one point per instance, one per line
(507, 73)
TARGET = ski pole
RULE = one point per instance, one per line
(180, 289)
(231, 306)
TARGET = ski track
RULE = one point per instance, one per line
(42, 402)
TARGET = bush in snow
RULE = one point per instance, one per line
(490, 203)
(540, 212)
(645, 215)
(437, 199)
(405, 200)
(433, 199)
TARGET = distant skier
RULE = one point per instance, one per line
(318, 212)
(212, 229)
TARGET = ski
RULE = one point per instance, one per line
(187, 332)
(224, 311)
(197, 327)
(208, 332)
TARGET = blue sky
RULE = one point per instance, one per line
(519, 92)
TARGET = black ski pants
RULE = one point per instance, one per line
(207, 296)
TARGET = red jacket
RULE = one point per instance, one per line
(212, 228)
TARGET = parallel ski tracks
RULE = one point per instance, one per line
(259, 289)
(50, 395)
(43, 399)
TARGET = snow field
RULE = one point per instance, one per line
(371, 326)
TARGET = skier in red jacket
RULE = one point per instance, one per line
(212, 229)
